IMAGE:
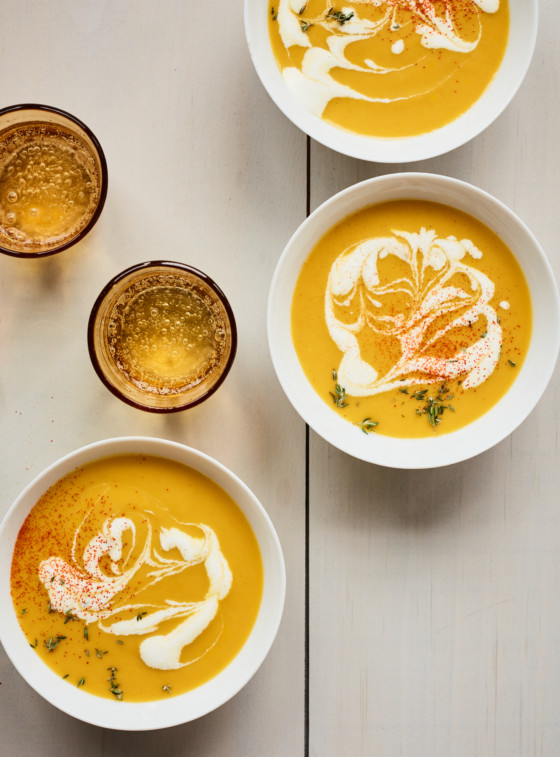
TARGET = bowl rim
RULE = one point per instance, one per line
(182, 708)
(197, 274)
(482, 113)
(426, 452)
(104, 180)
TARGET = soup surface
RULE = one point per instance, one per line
(136, 578)
(411, 318)
(388, 68)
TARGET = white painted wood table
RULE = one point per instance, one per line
(423, 608)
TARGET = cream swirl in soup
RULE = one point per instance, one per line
(401, 54)
(410, 317)
(430, 293)
(82, 587)
(136, 578)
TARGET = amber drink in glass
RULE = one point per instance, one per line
(162, 336)
(53, 180)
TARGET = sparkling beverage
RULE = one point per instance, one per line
(166, 337)
(50, 186)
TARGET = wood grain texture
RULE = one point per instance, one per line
(199, 160)
(435, 611)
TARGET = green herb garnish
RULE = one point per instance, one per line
(340, 16)
(435, 406)
(86, 633)
(113, 685)
(339, 396)
(141, 615)
(510, 362)
(53, 642)
(167, 689)
(367, 425)
(69, 616)
(81, 682)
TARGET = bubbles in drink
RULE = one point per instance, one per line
(165, 336)
(49, 187)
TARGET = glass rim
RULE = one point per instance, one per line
(104, 179)
(147, 265)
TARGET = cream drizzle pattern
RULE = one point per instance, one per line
(354, 286)
(314, 86)
(86, 591)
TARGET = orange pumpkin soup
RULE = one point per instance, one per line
(411, 318)
(388, 68)
(136, 578)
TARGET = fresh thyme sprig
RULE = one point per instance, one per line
(53, 642)
(340, 16)
(435, 406)
(339, 395)
(69, 616)
(367, 425)
(113, 685)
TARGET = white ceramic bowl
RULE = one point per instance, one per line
(136, 716)
(503, 417)
(519, 51)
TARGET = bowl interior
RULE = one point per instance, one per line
(175, 710)
(503, 417)
(519, 51)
